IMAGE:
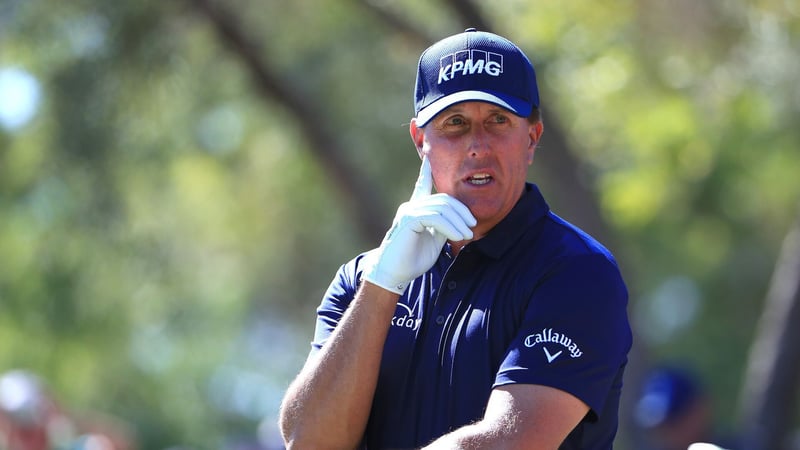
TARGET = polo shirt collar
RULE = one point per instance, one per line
(529, 209)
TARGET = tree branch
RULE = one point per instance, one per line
(359, 197)
(398, 23)
(470, 15)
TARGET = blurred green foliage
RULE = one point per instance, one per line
(165, 232)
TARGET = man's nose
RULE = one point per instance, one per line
(479, 144)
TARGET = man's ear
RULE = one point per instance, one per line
(417, 136)
(536, 131)
(535, 134)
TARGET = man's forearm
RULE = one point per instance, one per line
(328, 404)
(479, 435)
(519, 416)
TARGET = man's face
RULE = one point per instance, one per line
(479, 154)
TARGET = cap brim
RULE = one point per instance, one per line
(513, 104)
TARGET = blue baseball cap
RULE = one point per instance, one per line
(474, 66)
(667, 392)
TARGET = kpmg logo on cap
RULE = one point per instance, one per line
(469, 62)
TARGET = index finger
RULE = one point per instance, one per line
(424, 185)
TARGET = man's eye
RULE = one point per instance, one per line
(455, 121)
(499, 118)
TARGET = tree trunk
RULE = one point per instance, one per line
(769, 397)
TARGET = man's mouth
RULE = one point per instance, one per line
(479, 179)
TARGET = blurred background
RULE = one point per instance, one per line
(180, 180)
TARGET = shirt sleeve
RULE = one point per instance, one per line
(334, 303)
(575, 334)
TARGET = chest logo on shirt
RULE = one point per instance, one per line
(548, 336)
(404, 317)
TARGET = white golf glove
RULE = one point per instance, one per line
(420, 229)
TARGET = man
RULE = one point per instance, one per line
(483, 320)
(674, 410)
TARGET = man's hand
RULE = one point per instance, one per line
(420, 229)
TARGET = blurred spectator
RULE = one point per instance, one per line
(673, 411)
(29, 417)
(32, 419)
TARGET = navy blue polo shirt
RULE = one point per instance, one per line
(535, 301)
